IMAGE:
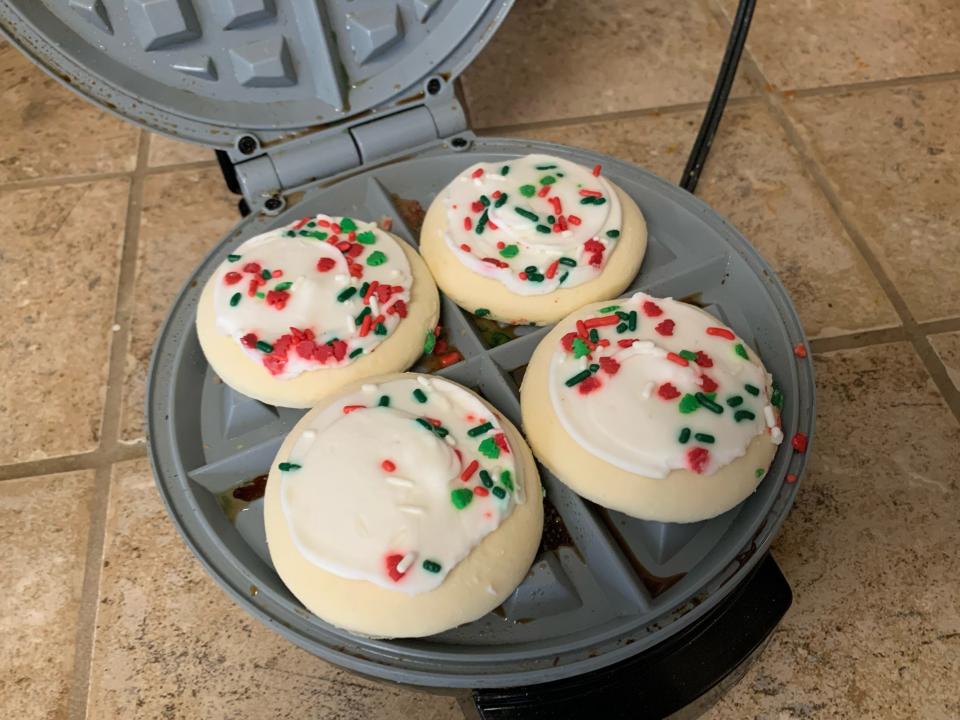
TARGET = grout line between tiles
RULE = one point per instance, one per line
(890, 83)
(43, 182)
(858, 340)
(69, 463)
(912, 330)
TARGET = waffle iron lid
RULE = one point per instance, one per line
(204, 70)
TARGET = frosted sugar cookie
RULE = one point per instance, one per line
(403, 507)
(297, 312)
(651, 407)
(532, 239)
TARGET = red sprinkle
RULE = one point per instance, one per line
(721, 332)
(365, 326)
(392, 561)
(651, 309)
(370, 291)
(673, 357)
(665, 327)
(492, 225)
(469, 470)
(697, 458)
(589, 385)
(581, 329)
(478, 173)
(323, 223)
(591, 193)
(567, 341)
(306, 348)
(609, 365)
(602, 321)
(300, 223)
(799, 442)
(476, 206)
(480, 491)
(596, 171)
(232, 278)
(668, 391)
(464, 247)
(277, 273)
(626, 342)
(544, 191)
(325, 264)
(557, 207)
(704, 360)
(252, 267)
(707, 383)
(800, 350)
(551, 270)
(791, 478)
(388, 465)
(501, 244)
(450, 359)
(336, 227)
(501, 440)
(467, 224)
(573, 219)
(522, 275)
(250, 340)
(495, 194)
(347, 409)
(434, 422)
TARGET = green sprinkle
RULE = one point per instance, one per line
(235, 299)
(509, 251)
(506, 480)
(366, 237)
(419, 395)
(632, 322)
(523, 212)
(500, 201)
(305, 233)
(288, 466)
(479, 429)
(505, 170)
(760, 472)
(688, 404)
(363, 313)
(776, 398)
(423, 422)
(485, 201)
(528, 190)
(547, 180)
(684, 436)
(489, 448)
(384, 401)
(346, 294)
(734, 401)
(364, 288)
(461, 497)
(594, 335)
(311, 224)
(355, 353)
(752, 389)
(551, 219)
(610, 309)
(266, 274)
(261, 295)
(319, 235)
(482, 223)
(233, 258)
(499, 492)
(290, 233)
(534, 277)
(264, 347)
(625, 316)
(743, 415)
(578, 378)
(543, 229)
(347, 224)
(580, 348)
(688, 355)
(545, 167)
(431, 566)
(705, 438)
(591, 200)
(280, 287)
(380, 329)
(486, 479)
(708, 403)
(741, 351)
(563, 277)
(481, 312)
(429, 342)
(376, 258)
(569, 262)
(622, 328)
(613, 233)
(441, 432)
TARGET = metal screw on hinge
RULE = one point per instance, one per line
(273, 205)
(247, 144)
(434, 85)
(459, 143)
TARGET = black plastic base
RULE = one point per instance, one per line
(680, 678)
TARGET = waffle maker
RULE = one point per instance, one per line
(348, 107)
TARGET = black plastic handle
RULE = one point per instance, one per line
(681, 677)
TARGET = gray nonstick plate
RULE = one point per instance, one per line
(604, 586)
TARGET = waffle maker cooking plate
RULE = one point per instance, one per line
(348, 108)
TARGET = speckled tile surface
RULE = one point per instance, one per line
(870, 549)
(166, 151)
(553, 60)
(40, 120)
(44, 522)
(190, 211)
(832, 42)
(169, 643)
(756, 180)
(947, 346)
(59, 251)
(891, 155)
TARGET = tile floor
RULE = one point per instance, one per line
(837, 158)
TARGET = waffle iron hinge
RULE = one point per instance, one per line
(263, 180)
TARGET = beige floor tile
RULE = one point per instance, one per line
(947, 346)
(60, 252)
(871, 552)
(169, 643)
(41, 123)
(832, 42)
(43, 531)
(166, 151)
(754, 178)
(892, 156)
(184, 215)
(552, 60)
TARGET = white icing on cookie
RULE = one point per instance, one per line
(536, 224)
(318, 293)
(377, 493)
(661, 385)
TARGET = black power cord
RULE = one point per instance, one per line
(718, 99)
